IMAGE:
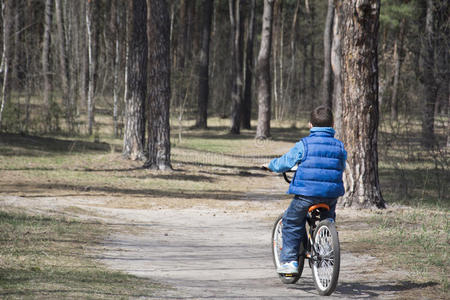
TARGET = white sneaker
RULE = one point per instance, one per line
(288, 268)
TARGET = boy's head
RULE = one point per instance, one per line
(321, 116)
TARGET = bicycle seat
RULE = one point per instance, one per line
(319, 206)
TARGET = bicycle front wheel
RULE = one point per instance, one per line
(277, 245)
(326, 253)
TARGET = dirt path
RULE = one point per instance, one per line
(210, 253)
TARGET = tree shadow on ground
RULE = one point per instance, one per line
(291, 135)
(38, 188)
(29, 144)
(359, 290)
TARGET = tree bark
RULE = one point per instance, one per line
(203, 66)
(427, 78)
(182, 35)
(116, 67)
(312, 65)
(398, 59)
(63, 61)
(247, 100)
(92, 33)
(293, 69)
(336, 68)
(45, 62)
(263, 73)
(7, 9)
(159, 82)
(327, 85)
(134, 134)
(359, 75)
(17, 48)
(236, 68)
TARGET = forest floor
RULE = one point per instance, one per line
(203, 230)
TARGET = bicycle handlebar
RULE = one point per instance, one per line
(286, 178)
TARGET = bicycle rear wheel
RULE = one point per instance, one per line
(326, 249)
(277, 245)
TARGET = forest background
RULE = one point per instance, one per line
(67, 70)
(97, 94)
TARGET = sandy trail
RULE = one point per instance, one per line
(209, 253)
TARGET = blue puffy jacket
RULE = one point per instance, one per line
(321, 160)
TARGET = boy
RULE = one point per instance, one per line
(318, 179)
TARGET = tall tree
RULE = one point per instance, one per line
(311, 12)
(159, 83)
(247, 100)
(64, 64)
(263, 73)
(203, 66)
(134, 135)
(327, 83)
(182, 34)
(92, 35)
(398, 59)
(236, 64)
(7, 12)
(359, 75)
(115, 24)
(46, 61)
(427, 78)
(336, 68)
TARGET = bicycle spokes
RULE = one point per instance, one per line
(324, 256)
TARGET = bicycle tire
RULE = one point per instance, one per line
(276, 247)
(326, 269)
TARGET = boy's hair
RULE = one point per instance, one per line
(322, 116)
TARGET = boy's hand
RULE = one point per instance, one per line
(265, 167)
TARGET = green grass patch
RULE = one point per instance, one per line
(411, 239)
(45, 257)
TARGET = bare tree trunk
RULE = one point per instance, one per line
(293, 96)
(236, 73)
(360, 22)
(63, 61)
(182, 35)
(247, 100)
(276, 41)
(92, 32)
(398, 59)
(263, 73)
(327, 83)
(203, 67)
(134, 135)
(7, 8)
(128, 20)
(16, 48)
(442, 56)
(116, 67)
(281, 64)
(427, 77)
(84, 56)
(45, 62)
(336, 68)
(159, 83)
(312, 65)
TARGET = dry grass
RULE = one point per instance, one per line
(215, 169)
(46, 258)
(403, 238)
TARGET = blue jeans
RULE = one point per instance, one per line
(294, 221)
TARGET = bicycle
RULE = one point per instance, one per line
(320, 247)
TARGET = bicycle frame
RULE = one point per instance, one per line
(320, 246)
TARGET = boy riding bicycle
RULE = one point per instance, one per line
(318, 179)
